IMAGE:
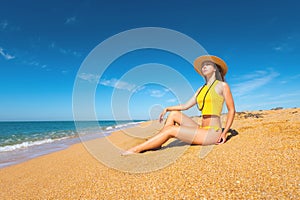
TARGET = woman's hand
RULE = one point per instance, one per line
(161, 116)
(222, 139)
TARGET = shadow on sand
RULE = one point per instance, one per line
(177, 143)
(232, 133)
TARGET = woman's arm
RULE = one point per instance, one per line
(190, 103)
(231, 112)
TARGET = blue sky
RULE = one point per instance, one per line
(44, 43)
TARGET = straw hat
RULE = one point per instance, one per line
(198, 63)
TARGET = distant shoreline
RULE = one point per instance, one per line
(21, 141)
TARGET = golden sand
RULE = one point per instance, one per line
(260, 162)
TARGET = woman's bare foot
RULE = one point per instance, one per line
(130, 152)
(126, 153)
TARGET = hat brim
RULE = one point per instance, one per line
(198, 63)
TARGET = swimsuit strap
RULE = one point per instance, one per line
(205, 94)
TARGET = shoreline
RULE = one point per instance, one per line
(27, 150)
(261, 161)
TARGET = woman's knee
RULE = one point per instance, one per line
(175, 115)
(171, 131)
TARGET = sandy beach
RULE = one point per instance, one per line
(259, 161)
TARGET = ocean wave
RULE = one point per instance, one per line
(17, 142)
(109, 128)
(121, 126)
(27, 144)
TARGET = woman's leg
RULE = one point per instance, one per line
(175, 117)
(181, 119)
(186, 134)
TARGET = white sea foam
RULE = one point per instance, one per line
(122, 126)
(26, 145)
(88, 131)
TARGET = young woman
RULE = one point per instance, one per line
(209, 99)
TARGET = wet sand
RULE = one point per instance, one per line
(259, 161)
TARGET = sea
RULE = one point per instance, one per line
(21, 141)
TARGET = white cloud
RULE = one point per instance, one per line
(158, 93)
(6, 55)
(118, 84)
(279, 47)
(172, 100)
(35, 63)
(283, 82)
(70, 20)
(253, 96)
(259, 79)
(296, 76)
(63, 51)
(253, 75)
(139, 88)
(115, 83)
(54, 46)
(287, 44)
(89, 77)
(3, 24)
(286, 95)
(75, 53)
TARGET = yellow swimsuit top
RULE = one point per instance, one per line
(209, 101)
